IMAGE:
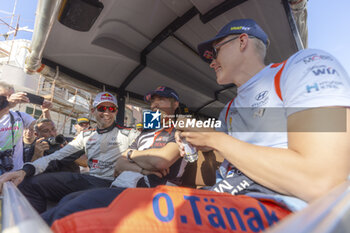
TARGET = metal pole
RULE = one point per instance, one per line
(13, 39)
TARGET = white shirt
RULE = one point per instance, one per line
(6, 135)
(258, 115)
(310, 78)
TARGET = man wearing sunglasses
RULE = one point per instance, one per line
(274, 140)
(102, 146)
(152, 159)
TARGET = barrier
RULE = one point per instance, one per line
(17, 213)
(330, 213)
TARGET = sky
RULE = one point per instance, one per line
(25, 9)
(327, 24)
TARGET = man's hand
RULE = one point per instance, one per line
(47, 105)
(201, 140)
(196, 139)
(17, 98)
(16, 177)
(39, 148)
(179, 143)
(123, 164)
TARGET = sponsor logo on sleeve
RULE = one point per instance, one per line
(316, 57)
(315, 87)
(323, 71)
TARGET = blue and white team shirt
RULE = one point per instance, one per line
(258, 114)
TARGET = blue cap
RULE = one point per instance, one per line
(162, 91)
(239, 26)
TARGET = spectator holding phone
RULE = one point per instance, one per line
(12, 125)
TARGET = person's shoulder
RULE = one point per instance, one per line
(124, 130)
(88, 132)
(308, 56)
(227, 107)
(24, 116)
(123, 127)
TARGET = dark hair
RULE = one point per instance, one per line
(40, 121)
(3, 102)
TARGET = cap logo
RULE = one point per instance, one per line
(106, 97)
(240, 28)
(208, 54)
(161, 88)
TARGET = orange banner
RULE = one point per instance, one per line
(175, 209)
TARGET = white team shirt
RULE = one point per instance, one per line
(258, 115)
(6, 135)
(310, 78)
(102, 150)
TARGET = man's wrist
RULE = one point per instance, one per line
(128, 156)
(213, 140)
(28, 169)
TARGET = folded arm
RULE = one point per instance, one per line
(156, 159)
(124, 165)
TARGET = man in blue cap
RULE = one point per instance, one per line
(273, 137)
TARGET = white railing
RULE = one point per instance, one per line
(330, 213)
(17, 213)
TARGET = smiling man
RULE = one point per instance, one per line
(102, 146)
(153, 159)
(274, 131)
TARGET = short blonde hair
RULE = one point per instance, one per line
(260, 48)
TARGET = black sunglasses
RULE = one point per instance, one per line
(218, 45)
(104, 108)
(216, 48)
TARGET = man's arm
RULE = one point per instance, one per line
(156, 159)
(46, 113)
(124, 165)
(42, 163)
(313, 163)
(17, 98)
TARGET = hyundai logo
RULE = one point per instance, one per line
(261, 95)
